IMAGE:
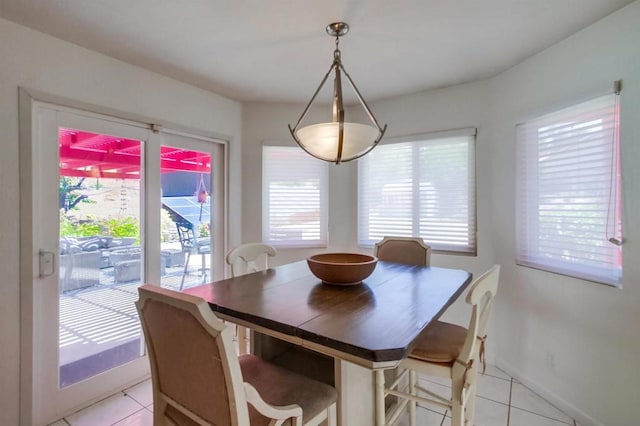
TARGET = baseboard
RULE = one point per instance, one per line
(581, 417)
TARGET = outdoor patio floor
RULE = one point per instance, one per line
(99, 327)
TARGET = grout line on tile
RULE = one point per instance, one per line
(496, 377)
(545, 416)
(492, 400)
(139, 402)
(509, 409)
(96, 403)
(130, 415)
(548, 403)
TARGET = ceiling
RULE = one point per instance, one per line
(278, 51)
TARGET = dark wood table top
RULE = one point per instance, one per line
(377, 320)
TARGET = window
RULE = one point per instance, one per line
(420, 186)
(294, 203)
(568, 192)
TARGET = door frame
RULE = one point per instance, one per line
(29, 102)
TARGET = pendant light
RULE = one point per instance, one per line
(338, 141)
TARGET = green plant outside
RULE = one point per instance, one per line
(117, 228)
(203, 230)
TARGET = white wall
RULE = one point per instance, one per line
(574, 342)
(42, 63)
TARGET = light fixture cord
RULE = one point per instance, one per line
(338, 108)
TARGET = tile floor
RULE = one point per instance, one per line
(502, 401)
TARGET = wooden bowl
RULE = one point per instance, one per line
(342, 268)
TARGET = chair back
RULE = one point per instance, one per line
(480, 297)
(186, 236)
(250, 257)
(195, 373)
(407, 250)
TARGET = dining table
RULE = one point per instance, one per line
(338, 334)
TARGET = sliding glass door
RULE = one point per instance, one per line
(115, 205)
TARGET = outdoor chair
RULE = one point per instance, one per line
(79, 270)
(192, 245)
(407, 250)
(446, 350)
(245, 259)
(198, 380)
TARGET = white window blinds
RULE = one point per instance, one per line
(568, 192)
(424, 186)
(294, 203)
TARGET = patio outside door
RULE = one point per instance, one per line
(103, 227)
(192, 214)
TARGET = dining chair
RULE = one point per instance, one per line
(250, 257)
(197, 378)
(407, 250)
(245, 259)
(445, 350)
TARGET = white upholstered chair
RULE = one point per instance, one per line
(198, 379)
(245, 259)
(446, 350)
(407, 250)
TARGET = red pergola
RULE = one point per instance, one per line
(85, 154)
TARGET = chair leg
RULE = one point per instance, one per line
(184, 273)
(470, 406)
(204, 268)
(457, 414)
(242, 339)
(412, 403)
(457, 408)
(159, 407)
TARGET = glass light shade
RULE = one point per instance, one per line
(321, 140)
